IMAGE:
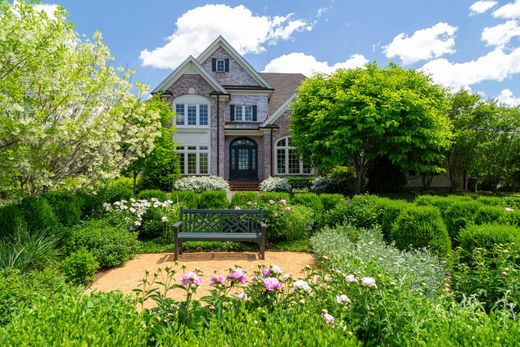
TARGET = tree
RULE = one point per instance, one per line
(355, 116)
(65, 113)
(161, 168)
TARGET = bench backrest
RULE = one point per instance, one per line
(221, 221)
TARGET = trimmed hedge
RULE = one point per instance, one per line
(391, 210)
(276, 196)
(441, 202)
(419, 227)
(490, 214)
(329, 201)
(459, 215)
(241, 198)
(487, 235)
(187, 199)
(362, 211)
(38, 213)
(147, 194)
(213, 199)
(311, 200)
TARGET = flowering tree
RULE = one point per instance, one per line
(354, 116)
(66, 114)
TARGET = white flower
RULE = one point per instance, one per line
(369, 282)
(301, 284)
(132, 209)
(351, 279)
(286, 277)
(509, 209)
(276, 269)
(107, 207)
(137, 223)
(327, 278)
(164, 219)
(242, 296)
(343, 299)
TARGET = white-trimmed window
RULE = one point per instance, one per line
(288, 162)
(243, 113)
(191, 111)
(194, 160)
(221, 65)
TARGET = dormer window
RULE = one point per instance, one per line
(220, 65)
(243, 113)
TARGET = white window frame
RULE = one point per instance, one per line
(223, 61)
(242, 108)
(286, 150)
(186, 149)
(192, 100)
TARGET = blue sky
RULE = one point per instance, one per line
(477, 48)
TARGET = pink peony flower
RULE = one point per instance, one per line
(329, 319)
(272, 283)
(271, 202)
(190, 279)
(266, 272)
(216, 280)
(351, 279)
(287, 209)
(242, 296)
(286, 277)
(238, 275)
(283, 202)
(343, 299)
(369, 282)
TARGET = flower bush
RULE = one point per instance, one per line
(201, 184)
(275, 184)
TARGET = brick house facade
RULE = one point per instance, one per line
(232, 121)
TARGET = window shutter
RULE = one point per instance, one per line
(226, 63)
(214, 64)
(232, 114)
(254, 113)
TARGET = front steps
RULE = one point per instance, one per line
(250, 186)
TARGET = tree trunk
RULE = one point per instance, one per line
(135, 182)
(360, 165)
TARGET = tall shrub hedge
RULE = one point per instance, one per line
(488, 235)
(459, 215)
(213, 199)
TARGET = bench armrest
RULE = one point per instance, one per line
(263, 228)
(177, 226)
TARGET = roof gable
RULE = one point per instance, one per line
(220, 42)
(190, 66)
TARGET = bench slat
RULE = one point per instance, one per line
(219, 236)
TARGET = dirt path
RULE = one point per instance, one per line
(128, 276)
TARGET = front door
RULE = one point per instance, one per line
(243, 159)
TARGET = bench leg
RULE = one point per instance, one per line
(262, 249)
(176, 251)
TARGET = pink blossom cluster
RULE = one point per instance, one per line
(190, 279)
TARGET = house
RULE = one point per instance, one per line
(232, 121)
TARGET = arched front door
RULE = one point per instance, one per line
(243, 159)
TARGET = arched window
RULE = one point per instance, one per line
(288, 162)
(191, 111)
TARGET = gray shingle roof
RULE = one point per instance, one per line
(284, 84)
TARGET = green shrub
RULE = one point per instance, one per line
(111, 245)
(300, 182)
(491, 274)
(421, 226)
(329, 201)
(512, 217)
(152, 226)
(288, 222)
(487, 235)
(441, 202)
(459, 215)
(115, 191)
(12, 220)
(185, 199)
(361, 211)
(242, 198)
(493, 201)
(340, 180)
(66, 207)
(264, 197)
(311, 200)
(18, 290)
(489, 214)
(26, 250)
(80, 267)
(76, 319)
(38, 214)
(152, 193)
(213, 199)
(391, 210)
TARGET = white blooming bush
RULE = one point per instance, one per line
(275, 184)
(201, 184)
(151, 218)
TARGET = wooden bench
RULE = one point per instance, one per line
(220, 225)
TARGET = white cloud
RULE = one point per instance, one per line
(307, 64)
(423, 44)
(508, 11)
(500, 35)
(482, 6)
(494, 66)
(322, 11)
(506, 97)
(197, 28)
(49, 9)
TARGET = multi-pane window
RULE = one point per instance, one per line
(194, 160)
(179, 114)
(288, 162)
(221, 65)
(245, 113)
(191, 114)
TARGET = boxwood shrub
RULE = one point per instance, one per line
(147, 194)
(489, 214)
(80, 267)
(186, 199)
(311, 200)
(264, 197)
(441, 202)
(487, 235)
(213, 199)
(38, 213)
(242, 198)
(391, 210)
(329, 201)
(110, 244)
(12, 220)
(361, 211)
(459, 215)
(67, 206)
(419, 227)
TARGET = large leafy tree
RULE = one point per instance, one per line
(66, 114)
(354, 116)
